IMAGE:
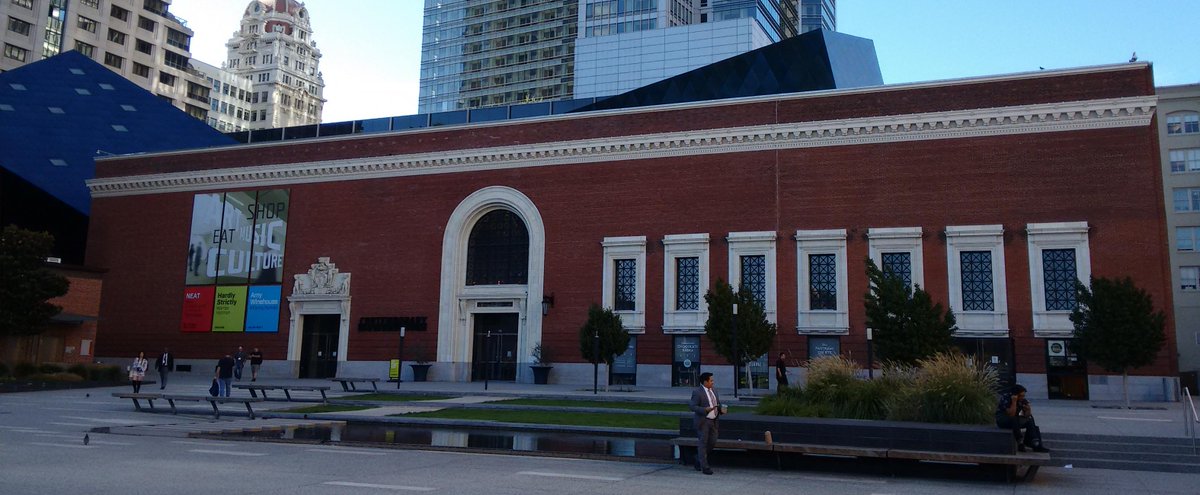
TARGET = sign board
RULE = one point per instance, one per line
(392, 323)
(394, 369)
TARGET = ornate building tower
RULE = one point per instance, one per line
(275, 50)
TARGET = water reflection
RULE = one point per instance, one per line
(553, 442)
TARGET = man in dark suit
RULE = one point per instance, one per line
(165, 364)
(706, 408)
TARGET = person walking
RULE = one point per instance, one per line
(165, 364)
(1013, 412)
(224, 375)
(706, 408)
(255, 363)
(781, 378)
(137, 371)
(239, 359)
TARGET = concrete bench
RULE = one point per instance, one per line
(287, 390)
(348, 383)
(149, 398)
(891, 440)
(213, 401)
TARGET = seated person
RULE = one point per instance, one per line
(1013, 413)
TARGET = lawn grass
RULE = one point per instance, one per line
(632, 406)
(614, 420)
(326, 408)
(393, 397)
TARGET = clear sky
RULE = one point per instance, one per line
(372, 48)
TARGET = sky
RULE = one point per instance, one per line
(372, 48)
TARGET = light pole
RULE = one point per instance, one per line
(870, 357)
(400, 372)
(596, 362)
(487, 354)
(737, 356)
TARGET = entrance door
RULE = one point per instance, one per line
(318, 356)
(495, 357)
(1066, 374)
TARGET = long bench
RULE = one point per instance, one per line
(148, 397)
(348, 383)
(892, 440)
(172, 399)
(287, 390)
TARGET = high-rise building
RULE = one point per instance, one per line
(478, 53)
(274, 51)
(1179, 146)
(138, 39)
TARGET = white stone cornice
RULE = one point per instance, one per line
(1024, 119)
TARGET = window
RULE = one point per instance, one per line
(143, 46)
(95, 4)
(119, 13)
(1186, 160)
(84, 48)
(166, 78)
(1183, 123)
(898, 251)
(975, 259)
(497, 249)
(897, 265)
(685, 361)
(1187, 199)
(752, 264)
(1186, 238)
(113, 60)
(1189, 278)
(156, 6)
(1058, 256)
(625, 280)
(116, 36)
(141, 70)
(146, 24)
(15, 52)
(685, 280)
(86, 24)
(178, 39)
(18, 26)
(822, 302)
(172, 59)
(24, 3)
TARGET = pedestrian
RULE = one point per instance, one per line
(137, 371)
(165, 364)
(781, 371)
(255, 363)
(239, 359)
(1014, 413)
(224, 375)
(706, 408)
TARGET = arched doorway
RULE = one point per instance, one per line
(497, 255)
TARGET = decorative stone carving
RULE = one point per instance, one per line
(322, 279)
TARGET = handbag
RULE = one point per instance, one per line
(215, 388)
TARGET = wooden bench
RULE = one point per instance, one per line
(898, 441)
(213, 401)
(149, 398)
(256, 389)
(348, 383)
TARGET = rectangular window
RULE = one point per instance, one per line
(1186, 238)
(822, 282)
(897, 265)
(113, 60)
(86, 24)
(24, 3)
(172, 59)
(624, 368)
(178, 39)
(1189, 278)
(1059, 275)
(84, 48)
(166, 78)
(625, 297)
(687, 284)
(141, 70)
(1187, 199)
(143, 46)
(754, 277)
(685, 361)
(156, 6)
(1183, 123)
(977, 288)
(146, 24)
(119, 13)
(116, 36)
(95, 4)
(15, 52)
(18, 26)
(1186, 160)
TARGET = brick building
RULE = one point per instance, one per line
(992, 193)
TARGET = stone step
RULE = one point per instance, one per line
(1072, 455)
(1160, 467)
(1136, 448)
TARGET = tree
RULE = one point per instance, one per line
(613, 337)
(25, 283)
(754, 333)
(1116, 326)
(907, 324)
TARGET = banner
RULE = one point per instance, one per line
(269, 214)
(197, 309)
(262, 309)
(203, 245)
(229, 309)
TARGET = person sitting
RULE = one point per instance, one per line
(1014, 413)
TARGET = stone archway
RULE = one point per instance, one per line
(323, 290)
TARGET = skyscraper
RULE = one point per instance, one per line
(478, 53)
(138, 39)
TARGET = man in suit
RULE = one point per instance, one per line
(165, 364)
(706, 408)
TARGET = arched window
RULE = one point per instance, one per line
(1183, 123)
(498, 250)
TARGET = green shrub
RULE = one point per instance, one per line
(790, 402)
(49, 368)
(112, 373)
(830, 378)
(3, 370)
(950, 388)
(863, 399)
(56, 377)
(78, 369)
(24, 369)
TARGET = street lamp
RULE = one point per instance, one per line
(487, 354)
(870, 358)
(400, 372)
(596, 362)
(737, 356)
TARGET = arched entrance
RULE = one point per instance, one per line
(492, 280)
